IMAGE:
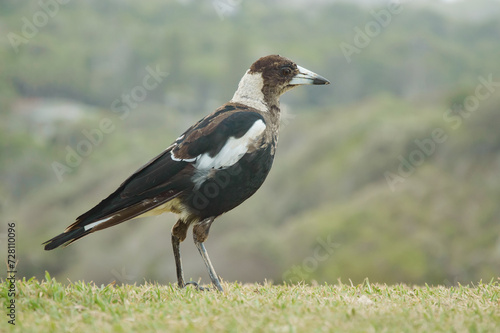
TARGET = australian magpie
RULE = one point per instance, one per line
(214, 166)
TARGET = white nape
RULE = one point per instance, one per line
(250, 91)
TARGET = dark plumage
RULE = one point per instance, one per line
(211, 168)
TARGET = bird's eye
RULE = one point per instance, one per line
(285, 71)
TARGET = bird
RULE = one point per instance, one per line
(211, 168)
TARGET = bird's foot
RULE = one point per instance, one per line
(198, 287)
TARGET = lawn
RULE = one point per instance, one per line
(51, 306)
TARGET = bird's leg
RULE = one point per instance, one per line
(200, 234)
(179, 232)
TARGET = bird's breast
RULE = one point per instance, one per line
(220, 190)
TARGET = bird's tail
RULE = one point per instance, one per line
(66, 238)
(95, 220)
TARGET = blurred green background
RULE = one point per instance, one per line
(391, 172)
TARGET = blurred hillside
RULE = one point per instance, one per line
(390, 173)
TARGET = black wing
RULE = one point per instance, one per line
(166, 176)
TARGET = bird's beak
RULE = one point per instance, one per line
(305, 76)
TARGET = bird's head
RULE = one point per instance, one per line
(271, 76)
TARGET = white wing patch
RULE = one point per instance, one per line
(233, 150)
(181, 159)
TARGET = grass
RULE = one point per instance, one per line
(50, 306)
